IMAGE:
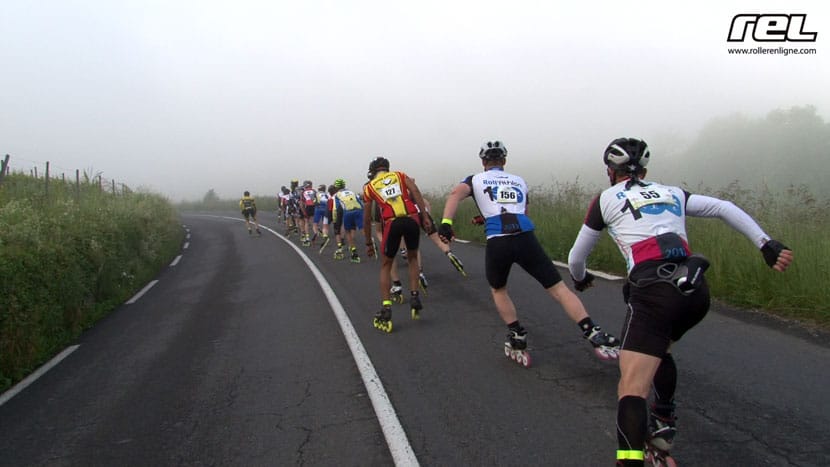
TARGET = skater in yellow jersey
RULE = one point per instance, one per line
(248, 207)
(398, 198)
(347, 215)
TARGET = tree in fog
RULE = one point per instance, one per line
(786, 147)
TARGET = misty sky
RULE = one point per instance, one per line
(179, 97)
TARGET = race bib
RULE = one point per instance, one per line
(508, 195)
(649, 195)
(391, 191)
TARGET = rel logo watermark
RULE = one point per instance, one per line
(770, 28)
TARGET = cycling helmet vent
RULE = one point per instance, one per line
(492, 150)
(629, 154)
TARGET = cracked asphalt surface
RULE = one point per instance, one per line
(234, 358)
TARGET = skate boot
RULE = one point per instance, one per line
(459, 266)
(306, 241)
(383, 319)
(397, 292)
(403, 253)
(422, 281)
(661, 428)
(326, 240)
(415, 306)
(338, 253)
(661, 435)
(516, 347)
(354, 258)
(606, 346)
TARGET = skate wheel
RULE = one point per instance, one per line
(415, 314)
(388, 326)
(524, 359)
(507, 351)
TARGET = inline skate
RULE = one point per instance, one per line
(606, 346)
(354, 258)
(457, 264)
(338, 253)
(415, 305)
(422, 281)
(383, 319)
(326, 240)
(661, 436)
(397, 292)
(516, 347)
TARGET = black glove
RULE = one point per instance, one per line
(477, 220)
(445, 232)
(771, 250)
(585, 283)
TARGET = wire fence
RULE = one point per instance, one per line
(46, 174)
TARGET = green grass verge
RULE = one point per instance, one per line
(67, 258)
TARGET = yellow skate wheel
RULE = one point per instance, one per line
(415, 314)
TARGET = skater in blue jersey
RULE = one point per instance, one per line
(502, 199)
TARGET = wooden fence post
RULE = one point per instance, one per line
(46, 179)
(4, 167)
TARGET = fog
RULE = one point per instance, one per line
(180, 97)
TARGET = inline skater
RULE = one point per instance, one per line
(502, 199)
(320, 222)
(347, 215)
(248, 207)
(666, 292)
(398, 198)
(308, 201)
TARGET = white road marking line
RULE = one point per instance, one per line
(37, 374)
(186, 245)
(604, 275)
(142, 292)
(176, 261)
(396, 439)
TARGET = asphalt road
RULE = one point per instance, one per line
(237, 357)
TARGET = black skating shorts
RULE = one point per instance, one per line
(522, 249)
(396, 229)
(249, 212)
(659, 314)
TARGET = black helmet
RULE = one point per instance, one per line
(492, 151)
(378, 163)
(626, 154)
(247, 193)
(284, 190)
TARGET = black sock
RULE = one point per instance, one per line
(632, 429)
(665, 383)
(515, 326)
(586, 325)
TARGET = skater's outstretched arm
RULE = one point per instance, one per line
(461, 191)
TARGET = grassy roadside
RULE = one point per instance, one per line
(68, 258)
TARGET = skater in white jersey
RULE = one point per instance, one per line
(502, 199)
(666, 292)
